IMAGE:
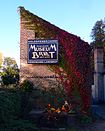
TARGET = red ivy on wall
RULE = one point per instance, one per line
(74, 58)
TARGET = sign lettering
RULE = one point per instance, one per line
(42, 51)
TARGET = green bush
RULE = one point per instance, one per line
(42, 98)
(26, 85)
(85, 119)
(10, 105)
(11, 111)
(19, 125)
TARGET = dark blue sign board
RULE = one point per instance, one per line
(42, 51)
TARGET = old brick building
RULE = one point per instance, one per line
(34, 27)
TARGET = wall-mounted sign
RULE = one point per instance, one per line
(42, 51)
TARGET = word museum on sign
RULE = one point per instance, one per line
(45, 52)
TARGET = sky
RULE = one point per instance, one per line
(75, 16)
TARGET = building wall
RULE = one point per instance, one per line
(39, 74)
(76, 53)
(98, 90)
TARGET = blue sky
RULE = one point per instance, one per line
(75, 16)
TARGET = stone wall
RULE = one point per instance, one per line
(98, 88)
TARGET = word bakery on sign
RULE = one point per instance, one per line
(42, 51)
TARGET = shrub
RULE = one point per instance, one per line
(27, 85)
(19, 125)
(85, 119)
(10, 105)
(11, 111)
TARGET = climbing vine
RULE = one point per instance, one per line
(73, 70)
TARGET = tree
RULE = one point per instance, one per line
(98, 33)
(10, 74)
(98, 36)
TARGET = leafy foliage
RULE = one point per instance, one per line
(84, 119)
(27, 85)
(10, 74)
(19, 125)
(10, 105)
(39, 98)
(98, 37)
(11, 111)
(98, 33)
